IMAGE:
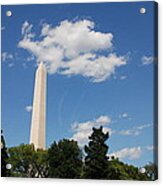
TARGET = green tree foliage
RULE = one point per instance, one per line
(65, 159)
(40, 165)
(118, 170)
(4, 157)
(96, 160)
(26, 162)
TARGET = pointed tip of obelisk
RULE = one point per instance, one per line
(41, 66)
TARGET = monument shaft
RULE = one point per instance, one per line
(38, 123)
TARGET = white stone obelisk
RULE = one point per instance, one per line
(38, 123)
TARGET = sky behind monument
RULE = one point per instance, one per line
(83, 38)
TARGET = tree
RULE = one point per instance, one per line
(65, 159)
(40, 165)
(26, 162)
(4, 157)
(118, 170)
(96, 160)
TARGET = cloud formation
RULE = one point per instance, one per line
(28, 108)
(124, 115)
(150, 147)
(123, 77)
(6, 56)
(131, 153)
(73, 48)
(135, 131)
(147, 60)
(81, 131)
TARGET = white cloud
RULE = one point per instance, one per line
(131, 153)
(28, 108)
(76, 37)
(147, 60)
(81, 131)
(129, 132)
(124, 115)
(30, 58)
(73, 48)
(141, 127)
(123, 77)
(10, 65)
(6, 56)
(96, 68)
(135, 131)
(150, 147)
(26, 30)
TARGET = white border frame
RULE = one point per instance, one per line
(60, 182)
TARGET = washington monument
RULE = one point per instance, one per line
(38, 122)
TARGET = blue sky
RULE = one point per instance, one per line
(80, 96)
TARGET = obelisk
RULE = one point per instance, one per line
(38, 122)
